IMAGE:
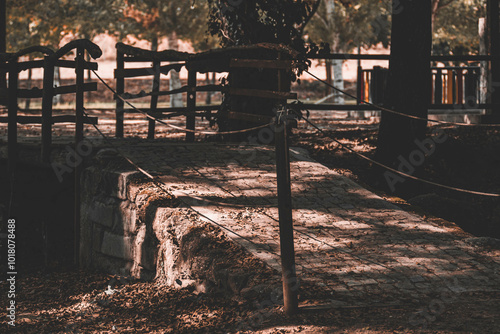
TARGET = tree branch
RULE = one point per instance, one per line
(314, 9)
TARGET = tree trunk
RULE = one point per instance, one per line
(483, 80)
(329, 76)
(434, 10)
(57, 82)
(338, 80)
(28, 83)
(175, 81)
(409, 82)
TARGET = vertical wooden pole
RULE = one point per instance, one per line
(367, 86)
(359, 85)
(154, 99)
(191, 105)
(12, 115)
(460, 86)
(120, 89)
(449, 87)
(289, 276)
(329, 76)
(438, 87)
(470, 88)
(48, 95)
(80, 62)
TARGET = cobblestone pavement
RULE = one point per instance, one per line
(350, 242)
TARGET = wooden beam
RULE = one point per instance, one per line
(72, 64)
(268, 94)
(54, 119)
(261, 63)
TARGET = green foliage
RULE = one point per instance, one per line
(150, 19)
(456, 27)
(345, 25)
(32, 22)
(239, 22)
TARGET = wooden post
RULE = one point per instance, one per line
(290, 283)
(191, 105)
(48, 95)
(80, 63)
(12, 115)
(367, 86)
(329, 76)
(470, 88)
(154, 99)
(438, 87)
(359, 85)
(289, 276)
(460, 86)
(120, 89)
(449, 87)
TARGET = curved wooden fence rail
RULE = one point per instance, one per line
(218, 61)
(11, 62)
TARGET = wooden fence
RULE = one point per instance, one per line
(13, 64)
(162, 62)
(453, 87)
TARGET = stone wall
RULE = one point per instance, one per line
(129, 227)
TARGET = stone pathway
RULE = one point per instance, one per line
(350, 242)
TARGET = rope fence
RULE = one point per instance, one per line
(160, 185)
(325, 135)
(177, 127)
(345, 147)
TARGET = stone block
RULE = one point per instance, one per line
(101, 213)
(145, 249)
(122, 186)
(118, 246)
(96, 238)
(125, 220)
(85, 256)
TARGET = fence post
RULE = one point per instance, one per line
(80, 63)
(359, 86)
(438, 87)
(12, 114)
(191, 105)
(289, 276)
(470, 88)
(460, 86)
(154, 99)
(120, 89)
(48, 95)
(290, 282)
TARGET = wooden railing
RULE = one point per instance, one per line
(13, 65)
(216, 61)
(453, 87)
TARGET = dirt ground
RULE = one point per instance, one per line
(63, 300)
(81, 302)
